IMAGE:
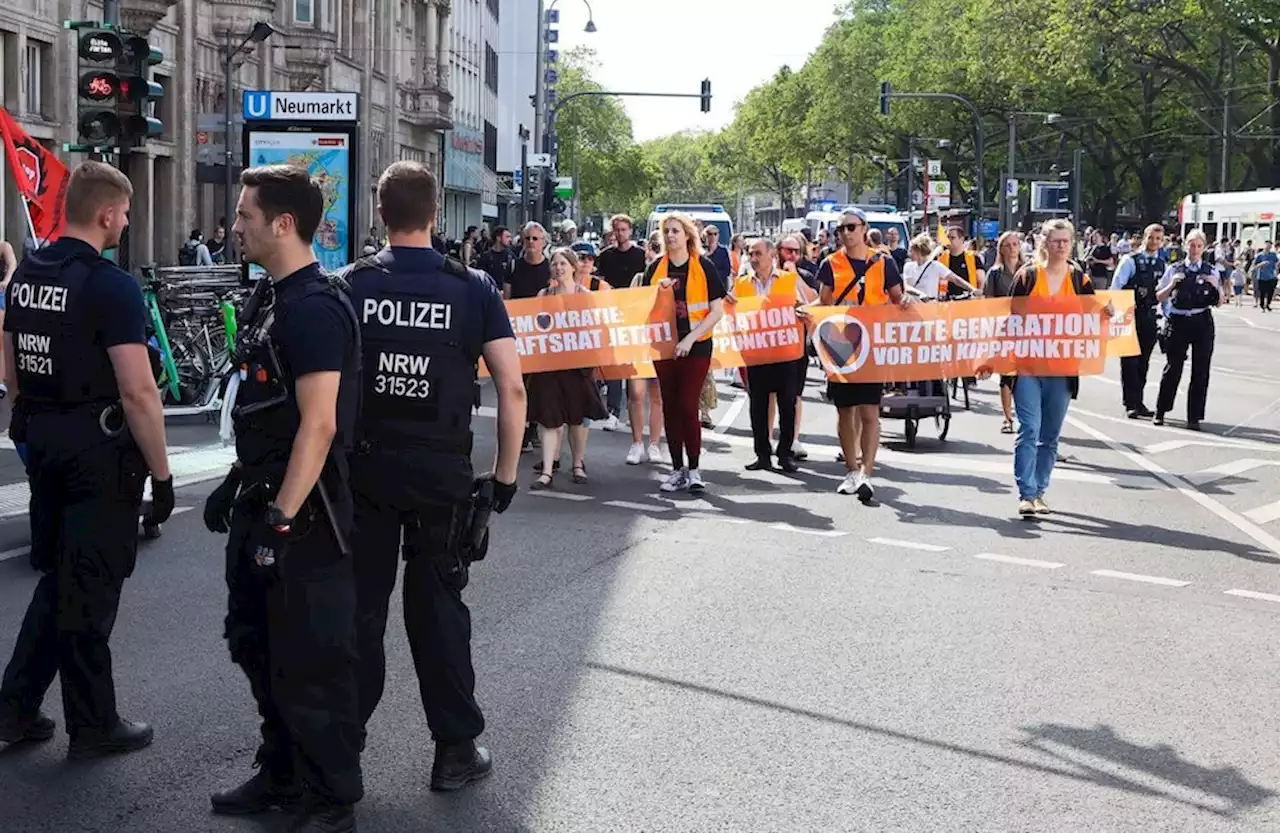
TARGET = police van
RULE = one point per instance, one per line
(708, 214)
(876, 219)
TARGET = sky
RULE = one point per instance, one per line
(671, 46)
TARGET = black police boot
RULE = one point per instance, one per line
(458, 764)
(16, 728)
(322, 817)
(125, 736)
(259, 794)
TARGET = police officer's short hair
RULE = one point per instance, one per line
(408, 197)
(1196, 234)
(287, 189)
(93, 187)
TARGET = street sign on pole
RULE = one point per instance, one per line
(1011, 188)
(539, 160)
(935, 167)
(564, 188)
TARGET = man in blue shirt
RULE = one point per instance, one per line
(718, 254)
(1264, 275)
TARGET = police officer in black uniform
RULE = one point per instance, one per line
(1141, 272)
(287, 503)
(425, 323)
(1189, 290)
(88, 408)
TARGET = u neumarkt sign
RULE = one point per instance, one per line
(269, 105)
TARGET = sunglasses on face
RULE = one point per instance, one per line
(533, 237)
(849, 227)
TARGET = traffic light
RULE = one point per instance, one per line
(98, 87)
(138, 92)
(706, 95)
(886, 91)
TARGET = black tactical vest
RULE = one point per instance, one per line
(1147, 272)
(420, 350)
(59, 362)
(266, 413)
(1198, 288)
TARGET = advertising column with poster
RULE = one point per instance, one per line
(318, 132)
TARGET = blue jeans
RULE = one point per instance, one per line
(613, 397)
(1041, 404)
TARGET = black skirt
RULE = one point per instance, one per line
(564, 397)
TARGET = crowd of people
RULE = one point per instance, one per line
(854, 264)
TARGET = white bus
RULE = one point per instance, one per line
(1236, 215)
(709, 214)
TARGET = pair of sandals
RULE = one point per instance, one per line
(545, 480)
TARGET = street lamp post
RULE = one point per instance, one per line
(1009, 209)
(260, 32)
(540, 133)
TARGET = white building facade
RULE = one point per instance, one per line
(517, 72)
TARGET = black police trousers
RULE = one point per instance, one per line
(436, 619)
(1134, 369)
(783, 380)
(1194, 333)
(86, 496)
(293, 635)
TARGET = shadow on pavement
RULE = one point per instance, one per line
(1160, 761)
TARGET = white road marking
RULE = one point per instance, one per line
(638, 507)
(1167, 582)
(1104, 379)
(1270, 406)
(1025, 562)
(1171, 480)
(1231, 468)
(1252, 594)
(1264, 514)
(821, 533)
(1174, 445)
(910, 545)
(562, 495)
(731, 415)
(1251, 323)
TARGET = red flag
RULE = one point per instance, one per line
(40, 176)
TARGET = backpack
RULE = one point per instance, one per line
(187, 254)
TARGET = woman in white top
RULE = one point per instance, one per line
(924, 276)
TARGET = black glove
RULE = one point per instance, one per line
(161, 501)
(217, 507)
(268, 542)
(503, 493)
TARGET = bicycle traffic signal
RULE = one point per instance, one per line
(115, 96)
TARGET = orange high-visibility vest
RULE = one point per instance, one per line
(783, 287)
(970, 265)
(873, 292)
(695, 290)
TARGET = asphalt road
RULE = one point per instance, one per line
(776, 657)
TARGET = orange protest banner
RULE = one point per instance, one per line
(1027, 336)
(590, 329)
(1123, 339)
(757, 330)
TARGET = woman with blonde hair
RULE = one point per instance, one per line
(699, 292)
(1042, 401)
(563, 397)
(1000, 281)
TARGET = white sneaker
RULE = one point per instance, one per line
(677, 481)
(655, 453)
(636, 455)
(849, 484)
(695, 482)
(610, 424)
(798, 451)
(864, 490)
